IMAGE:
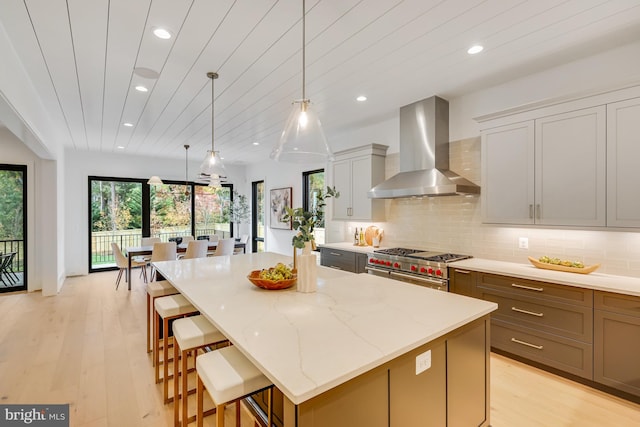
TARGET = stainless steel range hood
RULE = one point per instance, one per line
(424, 155)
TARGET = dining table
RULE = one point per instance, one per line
(135, 251)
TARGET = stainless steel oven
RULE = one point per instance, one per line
(416, 266)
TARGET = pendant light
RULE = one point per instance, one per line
(155, 180)
(302, 140)
(212, 168)
(186, 170)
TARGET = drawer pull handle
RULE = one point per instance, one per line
(335, 267)
(462, 271)
(335, 254)
(517, 341)
(529, 288)
(532, 313)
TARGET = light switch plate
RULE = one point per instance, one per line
(423, 362)
(523, 243)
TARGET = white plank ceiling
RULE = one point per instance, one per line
(81, 56)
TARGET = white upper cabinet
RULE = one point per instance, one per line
(570, 168)
(507, 174)
(355, 172)
(548, 171)
(623, 163)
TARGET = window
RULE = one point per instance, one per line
(257, 216)
(123, 210)
(13, 231)
(312, 185)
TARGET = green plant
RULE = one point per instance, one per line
(239, 209)
(306, 221)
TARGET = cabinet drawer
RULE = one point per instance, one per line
(568, 355)
(568, 320)
(335, 258)
(537, 289)
(625, 304)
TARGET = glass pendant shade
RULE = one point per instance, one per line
(302, 140)
(155, 180)
(213, 168)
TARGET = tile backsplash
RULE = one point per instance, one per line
(454, 224)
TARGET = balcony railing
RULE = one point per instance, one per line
(102, 256)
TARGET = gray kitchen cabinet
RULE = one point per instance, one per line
(462, 281)
(623, 154)
(355, 171)
(544, 322)
(354, 262)
(617, 341)
(547, 171)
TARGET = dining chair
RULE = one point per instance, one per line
(123, 265)
(8, 269)
(213, 238)
(225, 247)
(187, 239)
(149, 241)
(196, 249)
(4, 260)
(243, 239)
(163, 252)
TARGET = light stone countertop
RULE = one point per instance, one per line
(602, 282)
(309, 343)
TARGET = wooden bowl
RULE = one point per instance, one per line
(254, 277)
(586, 270)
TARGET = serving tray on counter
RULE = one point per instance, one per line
(586, 270)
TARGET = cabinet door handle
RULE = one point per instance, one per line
(529, 288)
(335, 267)
(538, 347)
(462, 271)
(335, 253)
(538, 214)
(531, 211)
(532, 313)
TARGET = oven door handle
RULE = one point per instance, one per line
(418, 278)
(377, 270)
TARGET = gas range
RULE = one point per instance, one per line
(418, 266)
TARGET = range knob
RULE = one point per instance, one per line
(372, 261)
(430, 271)
(423, 270)
(414, 268)
(438, 272)
(388, 263)
(396, 265)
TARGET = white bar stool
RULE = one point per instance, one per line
(167, 308)
(229, 377)
(189, 334)
(155, 290)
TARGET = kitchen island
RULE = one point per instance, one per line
(362, 350)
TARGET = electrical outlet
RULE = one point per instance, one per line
(423, 362)
(523, 243)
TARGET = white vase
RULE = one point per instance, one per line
(307, 270)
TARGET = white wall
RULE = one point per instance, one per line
(43, 270)
(79, 165)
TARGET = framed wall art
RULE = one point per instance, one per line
(280, 199)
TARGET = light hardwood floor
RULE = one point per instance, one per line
(86, 347)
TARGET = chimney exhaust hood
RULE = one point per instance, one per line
(424, 155)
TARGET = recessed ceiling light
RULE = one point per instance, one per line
(120, 147)
(475, 49)
(256, 143)
(141, 88)
(128, 124)
(161, 33)
(361, 98)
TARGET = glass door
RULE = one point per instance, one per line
(257, 216)
(116, 216)
(13, 232)
(211, 211)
